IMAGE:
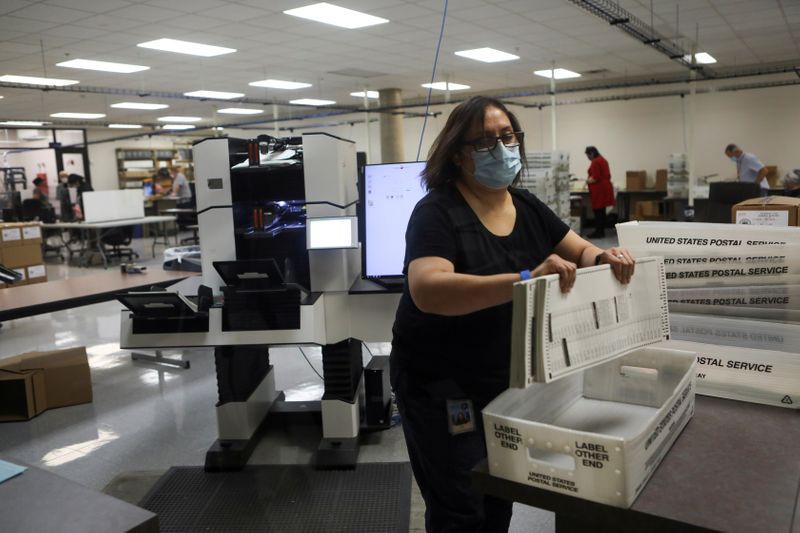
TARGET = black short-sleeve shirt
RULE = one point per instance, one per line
(472, 349)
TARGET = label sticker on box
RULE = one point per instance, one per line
(763, 218)
(22, 273)
(32, 232)
(460, 416)
(11, 234)
(36, 271)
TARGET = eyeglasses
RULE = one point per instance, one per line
(487, 144)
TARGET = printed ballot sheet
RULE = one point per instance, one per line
(600, 318)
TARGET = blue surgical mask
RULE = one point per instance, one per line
(498, 168)
(734, 159)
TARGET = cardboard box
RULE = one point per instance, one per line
(647, 210)
(772, 177)
(24, 280)
(23, 256)
(32, 233)
(635, 180)
(35, 381)
(10, 234)
(661, 179)
(604, 399)
(767, 211)
(36, 274)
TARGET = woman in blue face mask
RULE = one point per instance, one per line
(467, 242)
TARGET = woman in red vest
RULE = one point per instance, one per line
(601, 191)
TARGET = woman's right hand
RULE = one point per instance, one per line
(555, 264)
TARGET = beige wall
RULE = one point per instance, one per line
(634, 134)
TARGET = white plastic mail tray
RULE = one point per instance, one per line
(602, 400)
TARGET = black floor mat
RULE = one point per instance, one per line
(375, 497)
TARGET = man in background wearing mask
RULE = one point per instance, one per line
(748, 167)
(62, 197)
(791, 183)
(468, 241)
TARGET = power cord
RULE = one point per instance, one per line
(433, 77)
(303, 353)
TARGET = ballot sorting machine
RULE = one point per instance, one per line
(268, 281)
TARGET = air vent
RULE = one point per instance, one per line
(357, 73)
(596, 72)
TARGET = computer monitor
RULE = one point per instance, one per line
(388, 193)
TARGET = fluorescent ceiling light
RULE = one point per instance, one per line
(702, 58)
(186, 47)
(370, 94)
(240, 111)
(125, 126)
(104, 66)
(177, 127)
(138, 105)
(335, 15)
(179, 119)
(78, 115)
(218, 95)
(560, 74)
(311, 101)
(487, 55)
(280, 84)
(445, 86)
(33, 80)
(23, 123)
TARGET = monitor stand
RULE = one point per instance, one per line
(389, 283)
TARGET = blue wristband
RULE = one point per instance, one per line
(524, 274)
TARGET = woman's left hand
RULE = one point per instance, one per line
(621, 261)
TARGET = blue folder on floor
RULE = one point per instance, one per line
(9, 470)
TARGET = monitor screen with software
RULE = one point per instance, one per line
(388, 194)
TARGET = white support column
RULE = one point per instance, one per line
(690, 148)
(553, 119)
(275, 120)
(366, 126)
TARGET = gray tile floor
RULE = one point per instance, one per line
(146, 418)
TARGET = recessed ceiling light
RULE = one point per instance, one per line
(177, 127)
(280, 84)
(125, 126)
(335, 15)
(217, 95)
(445, 86)
(186, 47)
(33, 80)
(370, 94)
(487, 55)
(78, 115)
(311, 101)
(702, 58)
(138, 105)
(23, 123)
(179, 119)
(240, 111)
(104, 66)
(560, 74)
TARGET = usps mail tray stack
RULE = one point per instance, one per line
(596, 399)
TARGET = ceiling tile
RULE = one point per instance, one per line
(48, 13)
(234, 13)
(110, 23)
(146, 13)
(13, 23)
(91, 6)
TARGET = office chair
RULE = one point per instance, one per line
(119, 240)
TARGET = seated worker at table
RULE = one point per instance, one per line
(601, 192)
(791, 183)
(467, 242)
(180, 187)
(162, 183)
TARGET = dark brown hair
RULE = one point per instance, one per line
(441, 167)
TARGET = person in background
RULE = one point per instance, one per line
(791, 183)
(41, 185)
(160, 186)
(62, 196)
(601, 192)
(180, 187)
(467, 242)
(748, 167)
(78, 182)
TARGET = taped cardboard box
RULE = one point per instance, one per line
(10, 234)
(35, 381)
(604, 399)
(32, 233)
(23, 256)
(647, 210)
(767, 211)
(661, 179)
(635, 180)
(36, 274)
